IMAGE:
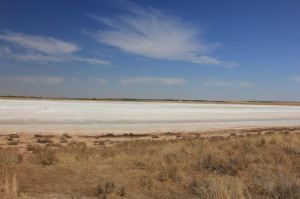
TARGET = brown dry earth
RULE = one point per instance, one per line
(219, 164)
(55, 140)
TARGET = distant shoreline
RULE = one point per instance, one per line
(288, 103)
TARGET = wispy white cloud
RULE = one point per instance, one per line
(169, 81)
(245, 84)
(73, 81)
(4, 50)
(216, 83)
(294, 78)
(99, 80)
(152, 33)
(48, 45)
(222, 83)
(28, 48)
(90, 60)
(41, 58)
(35, 79)
(37, 57)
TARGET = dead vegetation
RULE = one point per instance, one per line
(248, 166)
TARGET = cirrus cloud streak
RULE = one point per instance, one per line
(29, 48)
(50, 80)
(222, 83)
(168, 81)
(152, 33)
(294, 78)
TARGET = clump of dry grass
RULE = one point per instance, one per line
(219, 187)
(109, 190)
(44, 141)
(12, 139)
(9, 185)
(9, 157)
(67, 136)
(218, 163)
(62, 139)
(155, 136)
(285, 186)
(45, 155)
(13, 136)
(13, 142)
(9, 167)
(75, 152)
(168, 171)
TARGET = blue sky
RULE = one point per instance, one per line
(214, 49)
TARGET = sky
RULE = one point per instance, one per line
(162, 49)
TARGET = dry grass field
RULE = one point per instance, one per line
(253, 164)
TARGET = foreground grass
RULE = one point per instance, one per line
(253, 166)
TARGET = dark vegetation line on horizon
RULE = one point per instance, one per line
(155, 100)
